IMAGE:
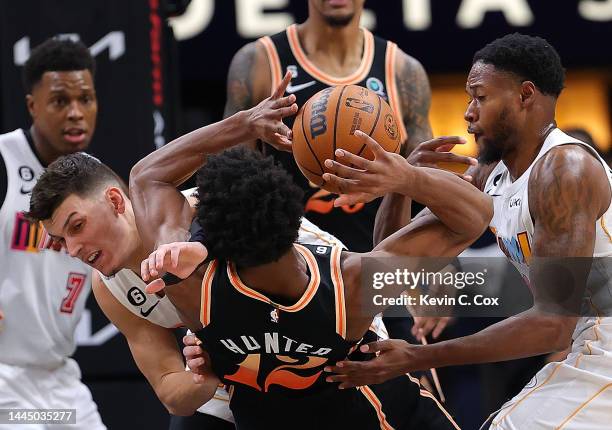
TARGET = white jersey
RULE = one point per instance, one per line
(42, 289)
(128, 288)
(571, 394)
(512, 222)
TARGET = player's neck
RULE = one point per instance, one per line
(139, 253)
(43, 148)
(527, 148)
(342, 45)
(286, 278)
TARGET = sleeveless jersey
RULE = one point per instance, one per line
(351, 224)
(513, 225)
(129, 289)
(266, 351)
(42, 289)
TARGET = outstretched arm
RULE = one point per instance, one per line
(419, 148)
(568, 192)
(459, 212)
(415, 100)
(162, 213)
(248, 81)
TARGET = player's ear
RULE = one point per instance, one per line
(30, 105)
(116, 199)
(528, 92)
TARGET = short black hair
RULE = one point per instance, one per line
(531, 58)
(77, 173)
(249, 207)
(56, 55)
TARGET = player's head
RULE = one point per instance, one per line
(336, 13)
(61, 98)
(511, 79)
(249, 207)
(83, 204)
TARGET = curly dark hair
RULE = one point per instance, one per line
(77, 173)
(249, 207)
(56, 55)
(531, 58)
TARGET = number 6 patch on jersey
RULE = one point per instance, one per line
(74, 285)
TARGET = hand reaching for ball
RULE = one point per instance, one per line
(266, 119)
(360, 180)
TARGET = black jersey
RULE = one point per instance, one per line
(266, 347)
(353, 225)
(271, 356)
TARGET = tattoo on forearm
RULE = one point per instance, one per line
(239, 85)
(415, 97)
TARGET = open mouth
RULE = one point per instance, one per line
(74, 135)
(94, 257)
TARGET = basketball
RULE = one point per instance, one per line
(328, 121)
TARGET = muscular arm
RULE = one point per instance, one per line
(162, 213)
(156, 354)
(415, 100)
(459, 215)
(248, 81)
(568, 192)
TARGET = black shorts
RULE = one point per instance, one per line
(199, 421)
(399, 403)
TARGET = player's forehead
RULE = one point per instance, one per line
(72, 207)
(485, 76)
(66, 81)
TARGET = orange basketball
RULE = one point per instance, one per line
(328, 122)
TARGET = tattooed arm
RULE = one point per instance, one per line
(415, 100)
(568, 192)
(248, 81)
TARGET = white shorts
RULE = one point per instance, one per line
(32, 388)
(218, 406)
(574, 394)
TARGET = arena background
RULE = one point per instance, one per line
(158, 78)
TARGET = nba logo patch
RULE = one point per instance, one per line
(377, 86)
(274, 315)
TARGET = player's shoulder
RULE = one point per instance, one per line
(406, 63)
(13, 137)
(568, 173)
(250, 66)
(567, 162)
(250, 53)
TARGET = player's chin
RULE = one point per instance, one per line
(70, 147)
(107, 269)
(339, 17)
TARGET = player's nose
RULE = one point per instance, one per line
(470, 114)
(73, 247)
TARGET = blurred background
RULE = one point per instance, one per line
(162, 68)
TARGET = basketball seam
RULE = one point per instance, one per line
(308, 143)
(314, 173)
(336, 118)
(374, 126)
